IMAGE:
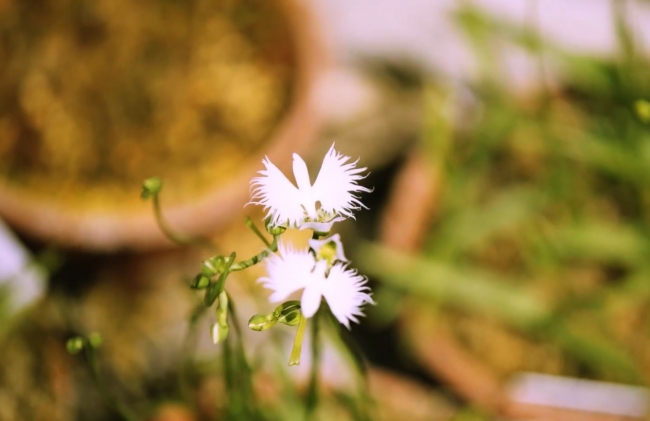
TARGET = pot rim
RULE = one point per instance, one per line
(105, 231)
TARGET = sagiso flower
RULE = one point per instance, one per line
(292, 270)
(317, 206)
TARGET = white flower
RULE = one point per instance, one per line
(317, 206)
(291, 270)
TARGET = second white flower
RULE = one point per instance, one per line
(292, 270)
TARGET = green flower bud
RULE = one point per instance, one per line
(75, 345)
(291, 318)
(200, 282)
(150, 187)
(213, 266)
(261, 322)
(642, 109)
(220, 328)
(275, 230)
(289, 313)
(95, 340)
(287, 305)
(219, 332)
(222, 309)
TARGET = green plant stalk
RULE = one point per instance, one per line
(215, 288)
(189, 345)
(249, 223)
(273, 247)
(238, 375)
(221, 282)
(244, 372)
(287, 383)
(234, 399)
(312, 389)
(361, 409)
(110, 400)
(176, 238)
(294, 358)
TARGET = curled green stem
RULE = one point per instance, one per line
(173, 236)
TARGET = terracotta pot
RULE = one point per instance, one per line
(45, 218)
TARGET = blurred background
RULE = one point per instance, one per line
(507, 241)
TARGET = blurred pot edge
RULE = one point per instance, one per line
(97, 231)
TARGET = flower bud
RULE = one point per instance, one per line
(222, 309)
(200, 282)
(276, 229)
(75, 345)
(213, 265)
(219, 332)
(291, 318)
(95, 340)
(220, 328)
(642, 109)
(261, 322)
(150, 187)
(287, 305)
(288, 313)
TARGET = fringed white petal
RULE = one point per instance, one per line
(344, 289)
(280, 198)
(288, 271)
(336, 184)
(346, 292)
(324, 227)
(311, 297)
(310, 301)
(335, 190)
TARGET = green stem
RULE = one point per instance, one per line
(294, 359)
(234, 401)
(221, 282)
(273, 247)
(312, 389)
(244, 369)
(215, 288)
(110, 400)
(362, 413)
(249, 223)
(189, 345)
(175, 237)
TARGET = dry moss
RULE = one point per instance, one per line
(96, 96)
